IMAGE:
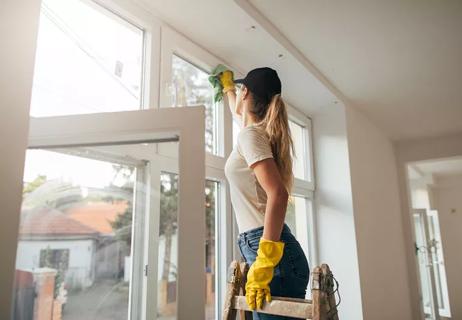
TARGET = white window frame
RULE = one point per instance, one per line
(160, 43)
(116, 127)
(144, 20)
(306, 188)
(172, 43)
(186, 126)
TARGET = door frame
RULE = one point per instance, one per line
(185, 125)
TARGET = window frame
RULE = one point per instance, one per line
(151, 26)
(139, 126)
(160, 43)
(306, 188)
(173, 43)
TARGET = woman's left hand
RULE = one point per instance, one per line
(260, 273)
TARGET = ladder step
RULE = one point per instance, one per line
(281, 306)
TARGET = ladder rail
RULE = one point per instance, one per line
(321, 307)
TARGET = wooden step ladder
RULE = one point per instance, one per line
(321, 307)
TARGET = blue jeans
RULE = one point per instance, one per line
(291, 274)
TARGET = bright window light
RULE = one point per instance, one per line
(190, 86)
(88, 60)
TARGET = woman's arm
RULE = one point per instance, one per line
(231, 94)
(269, 178)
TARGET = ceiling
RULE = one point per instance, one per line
(400, 62)
(440, 168)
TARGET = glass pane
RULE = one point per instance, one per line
(297, 219)
(438, 262)
(168, 246)
(88, 60)
(301, 159)
(211, 211)
(74, 256)
(421, 252)
(190, 86)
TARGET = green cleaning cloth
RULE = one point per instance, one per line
(214, 79)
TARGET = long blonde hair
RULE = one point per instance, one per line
(273, 118)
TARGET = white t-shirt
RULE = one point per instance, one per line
(247, 195)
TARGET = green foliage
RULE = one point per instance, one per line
(31, 186)
(122, 225)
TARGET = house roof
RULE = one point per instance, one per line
(84, 219)
(97, 215)
(48, 221)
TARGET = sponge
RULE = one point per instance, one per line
(214, 79)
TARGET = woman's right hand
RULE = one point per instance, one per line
(227, 81)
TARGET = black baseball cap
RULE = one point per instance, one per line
(264, 82)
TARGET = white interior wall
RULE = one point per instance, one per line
(379, 234)
(334, 207)
(447, 192)
(18, 33)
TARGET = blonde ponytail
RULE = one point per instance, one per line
(276, 125)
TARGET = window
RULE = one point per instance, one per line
(88, 60)
(76, 231)
(168, 245)
(299, 218)
(211, 211)
(302, 161)
(190, 86)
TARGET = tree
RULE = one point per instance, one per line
(190, 86)
(168, 222)
(122, 225)
(55, 193)
(210, 206)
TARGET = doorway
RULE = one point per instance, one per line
(429, 184)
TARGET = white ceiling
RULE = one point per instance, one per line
(398, 61)
(439, 168)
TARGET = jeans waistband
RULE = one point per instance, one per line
(258, 232)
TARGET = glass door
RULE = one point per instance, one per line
(432, 274)
(81, 238)
(104, 232)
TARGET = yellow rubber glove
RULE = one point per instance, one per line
(260, 273)
(226, 79)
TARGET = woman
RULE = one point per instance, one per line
(259, 172)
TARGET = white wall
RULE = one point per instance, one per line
(379, 234)
(447, 194)
(18, 33)
(81, 254)
(334, 208)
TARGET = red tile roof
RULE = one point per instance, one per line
(97, 215)
(48, 221)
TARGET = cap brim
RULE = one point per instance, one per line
(238, 81)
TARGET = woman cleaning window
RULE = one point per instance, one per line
(259, 173)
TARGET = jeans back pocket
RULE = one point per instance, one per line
(297, 261)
